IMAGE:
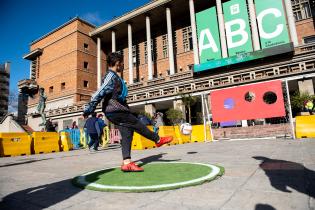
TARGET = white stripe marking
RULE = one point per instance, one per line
(109, 76)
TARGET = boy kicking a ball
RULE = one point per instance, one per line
(114, 92)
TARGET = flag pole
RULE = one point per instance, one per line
(204, 118)
(290, 112)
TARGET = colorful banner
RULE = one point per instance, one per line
(273, 33)
(245, 57)
(208, 35)
(272, 24)
(263, 100)
(237, 29)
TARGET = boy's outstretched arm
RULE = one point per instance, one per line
(106, 88)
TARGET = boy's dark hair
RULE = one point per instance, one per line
(113, 58)
(93, 114)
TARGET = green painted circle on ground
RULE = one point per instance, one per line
(156, 177)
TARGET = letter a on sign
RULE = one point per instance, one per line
(208, 35)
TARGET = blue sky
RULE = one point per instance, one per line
(22, 21)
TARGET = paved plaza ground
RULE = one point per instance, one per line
(259, 175)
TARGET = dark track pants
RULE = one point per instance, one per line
(127, 124)
(94, 140)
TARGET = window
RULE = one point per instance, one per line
(86, 46)
(190, 67)
(51, 89)
(309, 39)
(165, 46)
(301, 9)
(85, 84)
(175, 42)
(86, 65)
(187, 39)
(135, 54)
(153, 51)
(63, 86)
(34, 69)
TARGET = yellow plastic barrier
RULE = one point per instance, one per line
(105, 137)
(182, 139)
(45, 142)
(168, 131)
(198, 134)
(305, 126)
(13, 144)
(66, 144)
(83, 138)
(139, 142)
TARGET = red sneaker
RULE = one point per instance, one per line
(131, 167)
(164, 140)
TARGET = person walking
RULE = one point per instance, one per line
(93, 130)
(157, 121)
(114, 92)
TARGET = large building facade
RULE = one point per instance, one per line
(159, 43)
(4, 88)
(63, 62)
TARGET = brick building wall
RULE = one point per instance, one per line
(257, 131)
(305, 28)
(61, 64)
(182, 59)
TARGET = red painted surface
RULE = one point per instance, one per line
(244, 110)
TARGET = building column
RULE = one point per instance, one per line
(150, 109)
(253, 24)
(170, 41)
(149, 50)
(178, 105)
(291, 22)
(130, 54)
(194, 30)
(99, 70)
(221, 29)
(113, 41)
(306, 86)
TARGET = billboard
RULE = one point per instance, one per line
(208, 33)
(272, 27)
(237, 27)
(272, 23)
(263, 100)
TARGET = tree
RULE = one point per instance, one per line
(298, 100)
(189, 101)
(174, 116)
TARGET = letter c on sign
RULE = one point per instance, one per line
(277, 32)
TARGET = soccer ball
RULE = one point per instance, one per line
(186, 128)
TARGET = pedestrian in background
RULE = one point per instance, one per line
(93, 130)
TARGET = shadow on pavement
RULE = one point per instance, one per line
(283, 174)
(191, 153)
(40, 197)
(264, 207)
(25, 162)
(155, 158)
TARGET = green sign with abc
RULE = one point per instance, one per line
(271, 25)
(238, 35)
(208, 35)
